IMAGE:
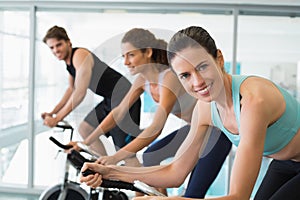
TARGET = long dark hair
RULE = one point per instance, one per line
(143, 39)
(192, 36)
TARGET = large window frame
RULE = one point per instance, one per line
(122, 6)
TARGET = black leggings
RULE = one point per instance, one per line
(208, 166)
(282, 181)
(126, 130)
(165, 147)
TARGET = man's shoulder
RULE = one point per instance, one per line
(79, 55)
(81, 50)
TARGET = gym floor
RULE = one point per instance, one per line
(7, 196)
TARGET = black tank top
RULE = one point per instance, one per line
(105, 81)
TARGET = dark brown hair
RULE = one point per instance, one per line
(56, 32)
(143, 39)
(192, 36)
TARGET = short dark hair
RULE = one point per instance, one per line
(56, 32)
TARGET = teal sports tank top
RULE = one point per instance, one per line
(279, 134)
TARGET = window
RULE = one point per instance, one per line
(14, 66)
(266, 46)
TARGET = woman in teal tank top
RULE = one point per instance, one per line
(260, 118)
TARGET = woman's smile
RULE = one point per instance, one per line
(203, 91)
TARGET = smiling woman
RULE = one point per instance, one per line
(259, 117)
(188, 64)
(31, 77)
(258, 123)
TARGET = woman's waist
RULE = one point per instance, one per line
(291, 151)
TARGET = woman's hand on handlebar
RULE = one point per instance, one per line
(93, 180)
(107, 160)
(75, 146)
(50, 121)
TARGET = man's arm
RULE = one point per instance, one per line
(65, 97)
(49, 117)
(83, 63)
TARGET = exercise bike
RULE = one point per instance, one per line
(70, 190)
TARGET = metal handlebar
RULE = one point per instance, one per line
(65, 147)
(77, 160)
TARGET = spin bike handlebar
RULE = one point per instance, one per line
(64, 125)
(63, 146)
(77, 160)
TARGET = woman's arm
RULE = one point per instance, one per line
(171, 175)
(118, 113)
(167, 99)
(260, 104)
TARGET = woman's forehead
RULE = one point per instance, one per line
(190, 55)
(127, 47)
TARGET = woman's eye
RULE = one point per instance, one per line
(201, 67)
(184, 76)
